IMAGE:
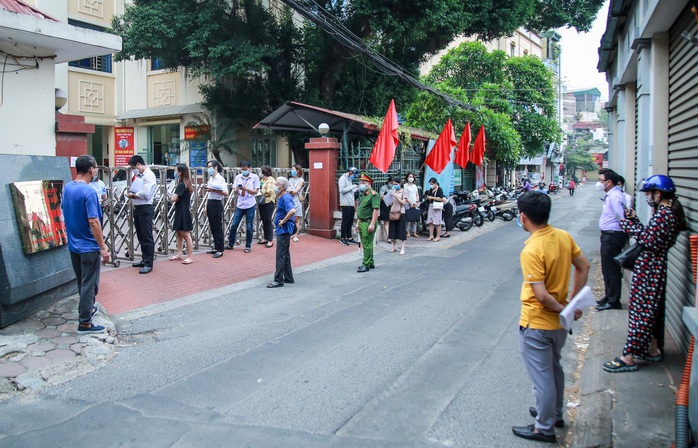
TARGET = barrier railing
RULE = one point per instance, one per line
(120, 234)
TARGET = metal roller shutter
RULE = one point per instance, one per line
(683, 167)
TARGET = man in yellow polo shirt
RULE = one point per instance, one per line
(546, 263)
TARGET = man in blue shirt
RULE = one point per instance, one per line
(83, 216)
(613, 239)
(285, 227)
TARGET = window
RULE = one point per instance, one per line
(512, 49)
(98, 63)
(156, 64)
(263, 151)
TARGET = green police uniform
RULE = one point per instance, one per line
(369, 201)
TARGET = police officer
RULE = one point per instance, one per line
(367, 215)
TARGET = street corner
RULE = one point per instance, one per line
(45, 348)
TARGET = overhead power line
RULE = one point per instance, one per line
(351, 41)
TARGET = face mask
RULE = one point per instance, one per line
(397, 187)
(245, 173)
(363, 187)
(210, 171)
(134, 173)
(94, 179)
(518, 221)
(432, 186)
(600, 186)
(277, 190)
(293, 172)
(410, 179)
(650, 201)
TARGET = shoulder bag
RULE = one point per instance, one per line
(628, 257)
(437, 205)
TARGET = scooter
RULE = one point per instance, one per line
(466, 212)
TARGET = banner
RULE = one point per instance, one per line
(197, 153)
(123, 149)
(200, 132)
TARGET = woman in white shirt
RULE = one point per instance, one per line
(295, 189)
(412, 193)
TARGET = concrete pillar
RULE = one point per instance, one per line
(659, 86)
(629, 137)
(644, 116)
(323, 154)
(71, 137)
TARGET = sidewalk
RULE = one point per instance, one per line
(632, 409)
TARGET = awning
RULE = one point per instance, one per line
(293, 116)
(160, 112)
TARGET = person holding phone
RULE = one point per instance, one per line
(217, 190)
(246, 188)
(142, 193)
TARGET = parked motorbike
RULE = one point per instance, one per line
(466, 212)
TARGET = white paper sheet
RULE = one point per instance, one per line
(136, 185)
(388, 199)
(583, 300)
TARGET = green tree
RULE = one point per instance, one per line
(511, 93)
(578, 158)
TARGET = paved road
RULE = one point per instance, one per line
(420, 352)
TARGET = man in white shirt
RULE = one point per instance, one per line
(217, 192)
(141, 193)
(628, 198)
(246, 186)
(347, 204)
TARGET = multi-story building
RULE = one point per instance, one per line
(136, 106)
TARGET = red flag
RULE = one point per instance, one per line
(462, 153)
(440, 154)
(384, 150)
(478, 155)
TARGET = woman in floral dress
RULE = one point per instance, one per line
(647, 293)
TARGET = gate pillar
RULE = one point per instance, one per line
(323, 153)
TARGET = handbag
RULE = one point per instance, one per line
(412, 215)
(437, 205)
(628, 257)
(260, 199)
(395, 216)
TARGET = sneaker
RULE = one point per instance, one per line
(352, 241)
(95, 310)
(344, 242)
(92, 329)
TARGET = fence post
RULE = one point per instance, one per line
(323, 153)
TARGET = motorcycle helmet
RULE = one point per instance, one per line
(658, 182)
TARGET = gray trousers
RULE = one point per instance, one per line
(86, 267)
(540, 350)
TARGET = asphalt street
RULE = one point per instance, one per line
(420, 352)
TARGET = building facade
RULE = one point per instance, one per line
(648, 53)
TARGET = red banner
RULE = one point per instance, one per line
(124, 147)
(199, 132)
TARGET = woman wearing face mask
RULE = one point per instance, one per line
(384, 215)
(182, 216)
(645, 338)
(397, 227)
(295, 189)
(434, 217)
(266, 207)
(412, 195)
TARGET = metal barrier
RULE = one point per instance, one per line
(118, 229)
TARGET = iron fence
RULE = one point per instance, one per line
(118, 226)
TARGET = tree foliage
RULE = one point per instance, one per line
(577, 157)
(513, 95)
(255, 57)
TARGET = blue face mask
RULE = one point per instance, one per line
(245, 173)
(363, 187)
(518, 221)
(294, 172)
(210, 171)
(277, 190)
(397, 187)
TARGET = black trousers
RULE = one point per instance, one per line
(214, 211)
(283, 273)
(86, 267)
(266, 212)
(347, 221)
(143, 221)
(612, 244)
(571, 191)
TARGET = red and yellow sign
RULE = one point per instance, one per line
(124, 146)
(196, 132)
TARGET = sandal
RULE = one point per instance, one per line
(295, 239)
(187, 261)
(247, 250)
(402, 252)
(436, 239)
(262, 242)
(269, 244)
(650, 358)
(416, 235)
(393, 250)
(618, 366)
(175, 258)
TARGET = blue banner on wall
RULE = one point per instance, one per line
(197, 153)
(445, 179)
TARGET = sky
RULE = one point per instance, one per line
(580, 56)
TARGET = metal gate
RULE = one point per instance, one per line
(356, 151)
(118, 228)
(683, 166)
